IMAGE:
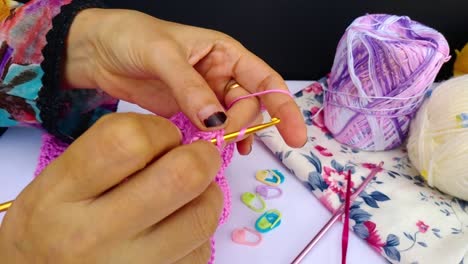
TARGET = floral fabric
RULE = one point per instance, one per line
(398, 214)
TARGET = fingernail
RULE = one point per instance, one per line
(216, 119)
(250, 150)
(181, 136)
(211, 119)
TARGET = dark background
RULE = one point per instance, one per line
(299, 37)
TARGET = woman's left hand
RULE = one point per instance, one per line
(166, 68)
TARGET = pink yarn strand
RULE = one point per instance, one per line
(241, 133)
(258, 94)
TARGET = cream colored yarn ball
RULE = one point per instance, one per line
(438, 139)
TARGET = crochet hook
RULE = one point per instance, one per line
(227, 137)
(338, 213)
(248, 131)
(5, 206)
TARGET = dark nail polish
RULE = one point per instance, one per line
(216, 119)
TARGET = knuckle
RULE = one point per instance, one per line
(209, 153)
(207, 212)
(164, 128)
(228, 41)
(189, 173)
(126, 134)
(194, 89)
(200, 161)
(267, 81)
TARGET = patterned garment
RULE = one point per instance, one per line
(398, 214)
(25, 33)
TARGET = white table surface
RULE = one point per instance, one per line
(303, 215)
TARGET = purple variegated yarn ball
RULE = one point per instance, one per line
(383, 67)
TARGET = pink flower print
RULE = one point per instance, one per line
(315, 88)
(318, 119)
(374, 239)
(323, 151)
(336, 180)
(314, 110)
(371, 166)
(422, 227)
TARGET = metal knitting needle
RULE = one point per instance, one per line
(338, 213)
(227, 137)
(249, 130)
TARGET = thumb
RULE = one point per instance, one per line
(193, 95)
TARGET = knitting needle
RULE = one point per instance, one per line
(227, 137)
(338, 213)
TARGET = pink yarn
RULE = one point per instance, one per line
(191, 133)
(52, 148)
(259, 93)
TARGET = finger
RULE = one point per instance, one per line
(200, 255)
(229, 60)
(256, 76)
(152, 95)
(183, 231)
(241, 115)
(243, 112)
(191, 92)
(244, 147)
(160, 189)
(117, 146)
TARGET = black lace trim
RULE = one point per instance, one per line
(50, 103)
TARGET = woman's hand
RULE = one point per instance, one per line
(124, 192)
(167, 67)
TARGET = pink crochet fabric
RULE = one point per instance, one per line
(190, 133)
(52, 148)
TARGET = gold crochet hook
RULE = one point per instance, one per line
(5, 206)
(248, 131)
(227, 137)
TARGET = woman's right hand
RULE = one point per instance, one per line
(124, 192)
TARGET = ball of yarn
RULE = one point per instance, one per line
(383, 67)
(438, 139)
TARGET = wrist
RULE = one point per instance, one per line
(79, 60)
